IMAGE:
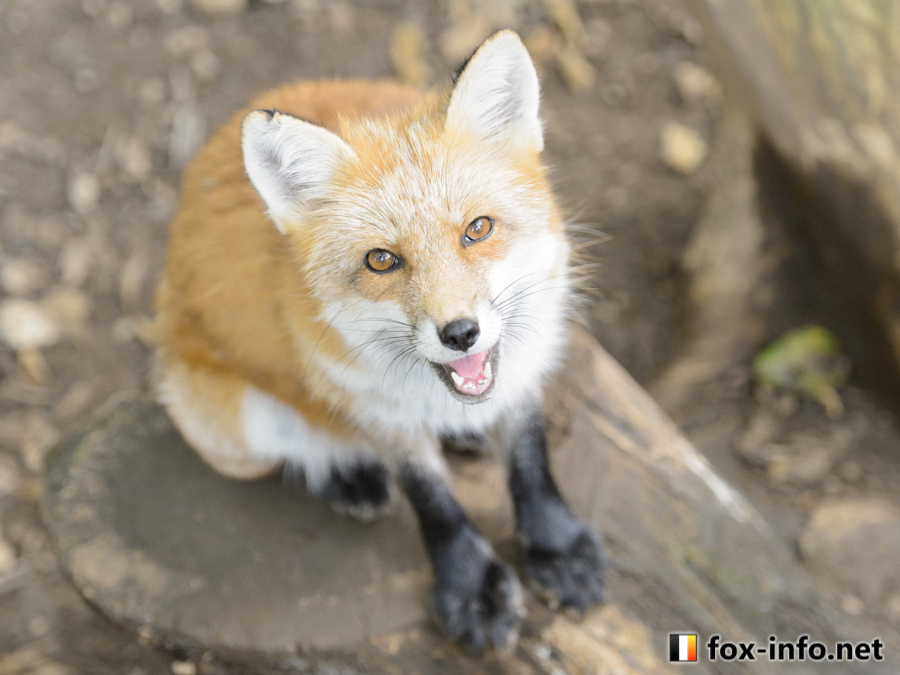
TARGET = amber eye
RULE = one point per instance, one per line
(478, 229)
(380, 261)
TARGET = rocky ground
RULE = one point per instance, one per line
(102, 102)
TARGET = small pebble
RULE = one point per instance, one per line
(695, 83)
(681, 148)
(83, 193)
(69, 309)
(135, 159)
(184, 668)
(22, 276)
(25, 324)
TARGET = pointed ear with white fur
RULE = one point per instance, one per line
(497, 94)
(290, 162)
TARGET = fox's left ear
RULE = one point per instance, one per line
(496, 96)
(290, 162)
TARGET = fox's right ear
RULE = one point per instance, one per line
(497, 95)
(290, 162)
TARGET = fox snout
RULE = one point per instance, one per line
(460, 334)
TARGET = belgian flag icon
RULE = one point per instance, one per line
(682, 647)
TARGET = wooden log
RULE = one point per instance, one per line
(820, 83)
(258, 572)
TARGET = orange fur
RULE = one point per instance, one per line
(326, 303)
(236, 301)
(229, 285)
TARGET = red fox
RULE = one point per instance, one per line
(358, 272)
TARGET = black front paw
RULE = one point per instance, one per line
(487, 614)
(361, 491)
(477, 598)
(570, 575)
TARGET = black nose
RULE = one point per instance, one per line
(460, 334)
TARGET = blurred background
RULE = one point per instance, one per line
(732, 167)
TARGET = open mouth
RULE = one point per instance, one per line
(470, 377)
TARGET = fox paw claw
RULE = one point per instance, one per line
(571, 578)
(487, 614)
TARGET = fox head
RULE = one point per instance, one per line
(431, 237)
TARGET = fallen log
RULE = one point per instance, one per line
(259, 573)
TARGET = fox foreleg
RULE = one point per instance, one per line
(563, 556)
(476, 597)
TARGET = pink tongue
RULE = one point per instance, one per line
(469, 366)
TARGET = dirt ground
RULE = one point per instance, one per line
(103, 101)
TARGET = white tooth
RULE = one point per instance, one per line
(481, 381)
(457, 379)
(486, 371)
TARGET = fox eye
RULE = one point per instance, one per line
(477, 230)
(380, 261)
